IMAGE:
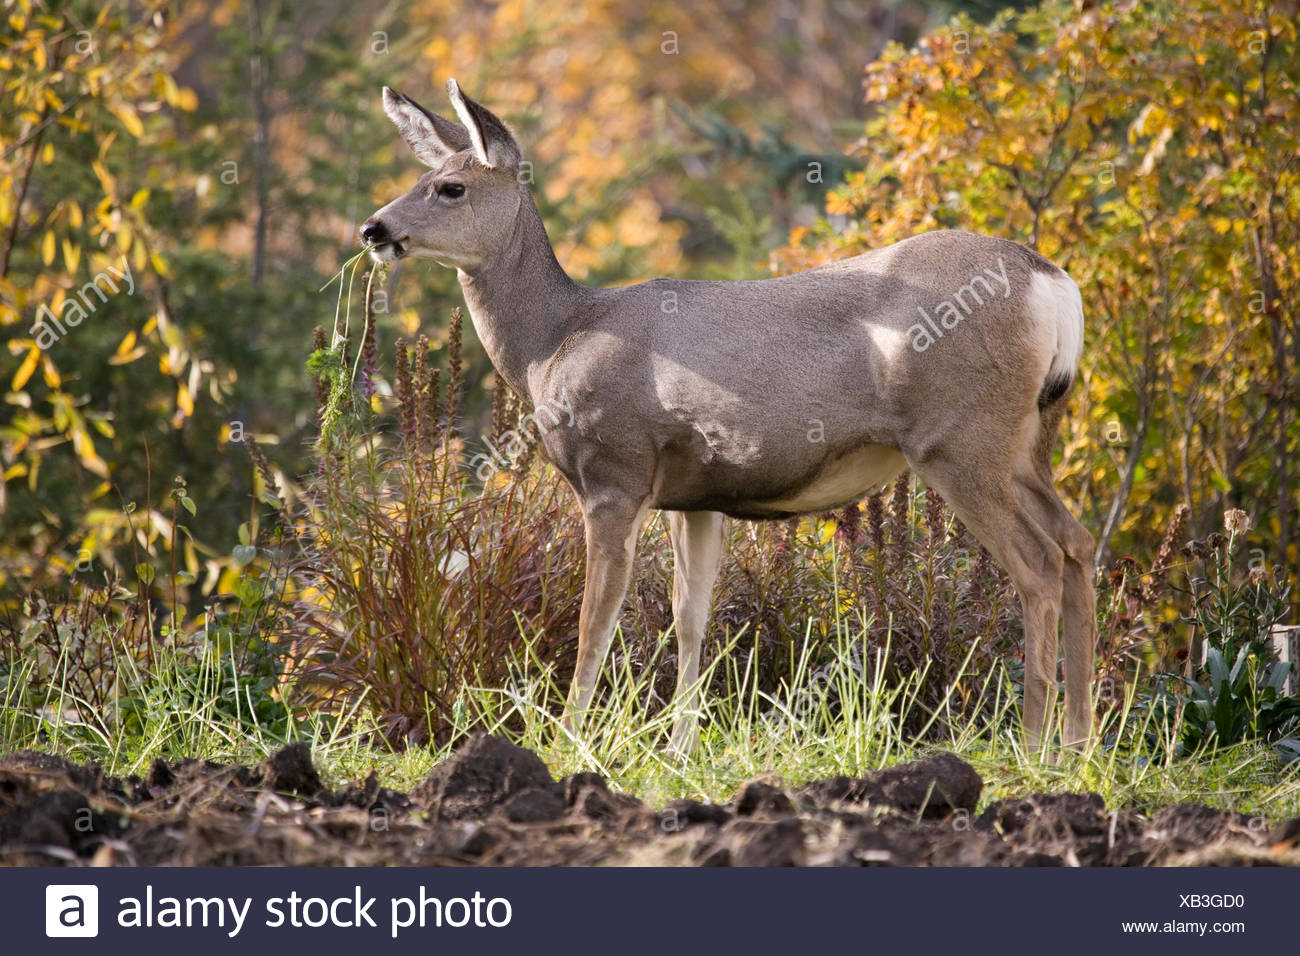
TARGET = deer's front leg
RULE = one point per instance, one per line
(611, 545)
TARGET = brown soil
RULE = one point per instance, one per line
(495, 803)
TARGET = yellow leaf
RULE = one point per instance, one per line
(105, 178)
(184, 401)
(52, 377)
(126, 358)
(47, 248)
(85, 449)
(128, 341)
(71, 255)
(186, 99)
(25, 370)
(127, 114)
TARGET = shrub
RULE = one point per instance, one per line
(1233, 690)
(421, 566)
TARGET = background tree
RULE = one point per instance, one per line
(229, 150)
(1149, 148)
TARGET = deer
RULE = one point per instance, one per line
(948, 353)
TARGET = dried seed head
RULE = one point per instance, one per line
(368, 359)
(424, 384)
(454, 370)
(263, 467)
(934, 509)
(898, 526)
(405, 393)
(876, 521)
(849, 525)
(500, 407)
(1236, 521)
(1165, 555)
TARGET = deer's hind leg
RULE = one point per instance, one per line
(985, 496)
(1078, 599)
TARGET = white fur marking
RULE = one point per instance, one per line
(467, 120)
(1057, 308)
(888, 341)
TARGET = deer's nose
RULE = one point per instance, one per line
(374, 232)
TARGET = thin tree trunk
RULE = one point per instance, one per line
(261, 135)
(31, 165)
(1119, 506)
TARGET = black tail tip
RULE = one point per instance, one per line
(1054, 389)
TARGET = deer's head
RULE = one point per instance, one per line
(464, 209)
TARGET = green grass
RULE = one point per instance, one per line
(831, 719)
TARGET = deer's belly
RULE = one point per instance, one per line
(840, 481)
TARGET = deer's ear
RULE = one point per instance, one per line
(493, 143)
(430, 137)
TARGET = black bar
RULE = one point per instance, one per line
(669, 912)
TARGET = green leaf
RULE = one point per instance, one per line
(1277, 675)
(244, 554)
(250, 592)
(188, 503)
(144, 572)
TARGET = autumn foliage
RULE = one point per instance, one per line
(178, 183)
(1151, 150)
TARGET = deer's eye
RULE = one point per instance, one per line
(451, 190)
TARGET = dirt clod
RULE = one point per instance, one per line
(932, 787)
(762, 798)
(290, 770)
(479, 778)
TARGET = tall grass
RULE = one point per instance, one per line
(846, 716)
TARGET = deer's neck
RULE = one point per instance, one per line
(522, 302)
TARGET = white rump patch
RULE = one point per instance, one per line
(1057, 308)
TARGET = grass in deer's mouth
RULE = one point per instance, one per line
(331, 362)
